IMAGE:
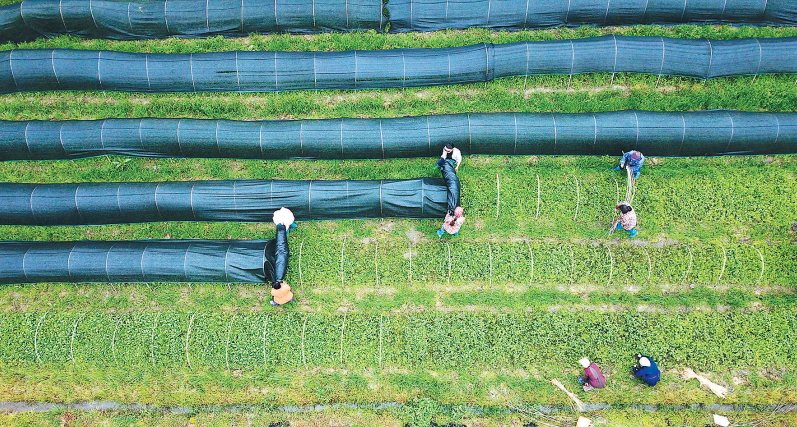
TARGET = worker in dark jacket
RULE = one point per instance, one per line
(647, 369)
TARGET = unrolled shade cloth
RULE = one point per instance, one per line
(135, 20)
(230, 200)
(700, 133)
(48, 69)
(230, 261)
(513, 15)
(452, 185)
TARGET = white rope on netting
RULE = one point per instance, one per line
(662, 56)
(490, 250)
(301, 282)
(650, 265)
(724, 262)
(342, 329)
(304, 329)
(376, 263)
(688, 269)
(614, 70)
(187, 337)
(537, 215)
(227, 344)
(611, 266)
(762, 266)
(498, 191)
(531, 252)
(760, 56)
(448, 281)
(72, 339)
(380, 341)
(572, 58)
(578, 197)
(113, 342)
(36, 337)
(152, 340)
(265, 323)
(342, 282)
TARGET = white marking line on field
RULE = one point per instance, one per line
(227, 345)
(448, 281)
(531, 252)
(301, 282)
(650, 265)
(304, 328)
(537, 215)
(498, 199)
(578, 197)
(72, 339)
(152, 340)
(611, 266)
(380, 341)
(762, 266)
(342, 247)
(490, 250)
(187, 337)
(724, 262)
(342, 329)
(36, 337)
(113, 342)
(688, 269)
(376, 263)
(265, 323)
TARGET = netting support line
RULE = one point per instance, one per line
(611, 266)
(36, 337)
(724, 262)
(188, 337)
(762, 266)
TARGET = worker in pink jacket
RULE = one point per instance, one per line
(592, 375)
(627, 219)
(452, 223)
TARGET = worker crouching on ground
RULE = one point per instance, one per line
(285, 217)
(627, 219)
(592, 378)
(452, 155)
(647, 370)
(280, 290)
(633, 160)
(452, 223)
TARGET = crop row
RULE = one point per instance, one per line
(206, 339)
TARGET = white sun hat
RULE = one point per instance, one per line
(644, 362)
(721, 421)
(584, 362)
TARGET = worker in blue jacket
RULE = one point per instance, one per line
(632, 160)
(647, 369)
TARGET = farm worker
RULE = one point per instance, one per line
(634, 160)
(452, 223)
(627, 219)
(452, 155)
(281, 292)
(647, 370)
(279, 289)
(592, 375)
(285, 217)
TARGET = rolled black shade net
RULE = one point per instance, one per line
(231, 200)
(432, 15)
(452, 185)
(57, 69)
(700, 133)
(229, 261)
(278, 264)
(135, 20)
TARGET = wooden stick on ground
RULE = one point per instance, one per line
(578, 402)
(714, 388)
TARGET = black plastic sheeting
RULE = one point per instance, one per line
(432, 15)
(230, 261)
(701, 133)
(122, 20)
(279, 265)
(58, 69)
(134, 20)
(452, 186)
(230, 200)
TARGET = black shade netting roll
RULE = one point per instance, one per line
(700, 133)
(122, 20)
(231, 200)
(513, 15)
(48, 69)
(278, 264)
(230, 261)
(452, 186)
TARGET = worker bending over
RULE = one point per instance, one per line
(592, 378)
(285, 217)
(627, 219)
(280, 290)
(452, 223)
(632, 159)
(452, 155)
(647, 370)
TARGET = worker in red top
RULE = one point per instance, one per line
(592, 375)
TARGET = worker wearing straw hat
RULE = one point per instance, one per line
(592, 375)
(647, 369)
(633, 160)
